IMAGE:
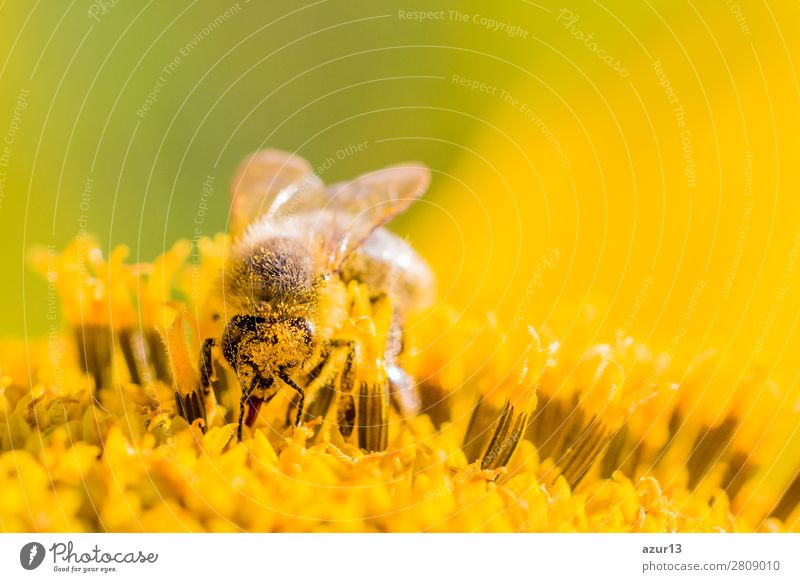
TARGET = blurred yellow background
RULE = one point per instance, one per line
(639, 158)
(668, 194)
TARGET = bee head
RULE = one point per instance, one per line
(269, 344)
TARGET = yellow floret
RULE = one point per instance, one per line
(516, 433)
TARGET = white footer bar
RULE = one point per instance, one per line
(411, 557)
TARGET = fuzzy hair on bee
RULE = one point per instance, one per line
(271, 276)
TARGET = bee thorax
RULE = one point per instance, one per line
(270, 276)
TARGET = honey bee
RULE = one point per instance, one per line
(297, 243)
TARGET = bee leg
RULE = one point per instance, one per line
(346, 415)
(287, 380)
(245, 397)
(348, 364)
(321, 403)
(292, 405)
(206, 364)
(318, 407)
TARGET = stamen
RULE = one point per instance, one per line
(789, 500)
(373, 412)
(708, 449)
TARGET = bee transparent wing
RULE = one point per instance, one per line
(269, 182)
(353, 210)
(278, 193)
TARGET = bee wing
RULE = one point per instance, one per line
(356, 208)
(271, 180)
(281, 194)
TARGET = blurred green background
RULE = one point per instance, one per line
(228, 78)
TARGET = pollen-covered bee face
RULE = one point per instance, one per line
(268, 345)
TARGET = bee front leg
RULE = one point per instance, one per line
(321, 400)
(239, 427)
(292, 406)
(287, 380)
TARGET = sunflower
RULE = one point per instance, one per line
(516, 432)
